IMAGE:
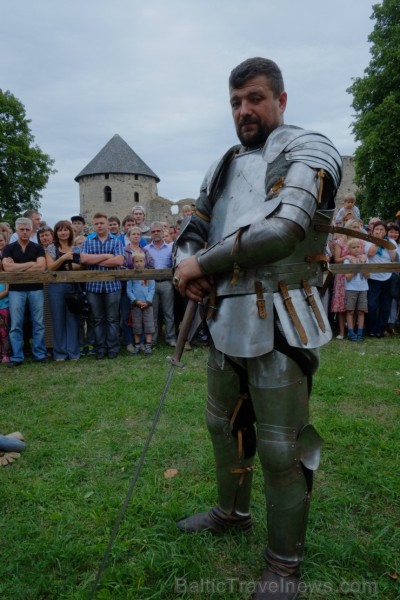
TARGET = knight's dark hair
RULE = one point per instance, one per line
(253, 67)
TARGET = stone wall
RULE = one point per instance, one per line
(126, 191)
(347, 185)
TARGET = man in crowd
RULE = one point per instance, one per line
(35, 218)
(20, 257)
(164, 294)
(127, 223)
(102, 252)
(78, 224)
(255, 222)
(114, 225)
(139, 216)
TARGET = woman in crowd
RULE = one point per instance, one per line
(60, 257)
(6, 230)
(45, 236)
(379, 298)
(134, 235)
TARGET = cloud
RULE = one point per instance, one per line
(156, 73)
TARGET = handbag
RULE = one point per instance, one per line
(76, 300)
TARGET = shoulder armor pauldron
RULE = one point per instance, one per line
(301, 145)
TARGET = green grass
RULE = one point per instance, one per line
(86, 423)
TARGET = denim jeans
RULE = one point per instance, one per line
(105, 312)
(65, 323)
(379, 301)
(18, 301)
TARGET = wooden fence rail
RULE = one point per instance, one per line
(80, 276)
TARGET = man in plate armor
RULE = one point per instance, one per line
(254, 247)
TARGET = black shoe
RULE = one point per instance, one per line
(42, 361)
(215, 521)
(113, 355)
(275, 587)
(13, 365)
(100, 356)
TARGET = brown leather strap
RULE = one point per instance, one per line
(321, 174)
(287, 301)
(202, 215)
(235, 274)
(212, 304)
(262, 311)
(322, 258)
(242, 471)
(314, 306)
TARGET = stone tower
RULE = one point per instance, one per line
(115, 180)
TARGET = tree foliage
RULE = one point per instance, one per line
(376, 100)
(24, 168)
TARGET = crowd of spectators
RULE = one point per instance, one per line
(47, 321)
(364, 303)
(41, 319)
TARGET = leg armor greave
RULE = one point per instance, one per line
(289, 450)
(230, 423)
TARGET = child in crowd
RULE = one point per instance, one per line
(4, 322)
(349, 205)
(141, 294)
(187, 210)
(356, 288)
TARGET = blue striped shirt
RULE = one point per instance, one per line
(111, 245)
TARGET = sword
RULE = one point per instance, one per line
(357, 234)
(184, 330)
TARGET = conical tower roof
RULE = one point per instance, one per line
(116, 157)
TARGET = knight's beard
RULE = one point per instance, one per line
(256, 139)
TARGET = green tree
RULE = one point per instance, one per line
(376, 100)
(24, 168)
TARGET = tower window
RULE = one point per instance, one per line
(107, 194)
(107, 176)
(136, 177)
(136, 196)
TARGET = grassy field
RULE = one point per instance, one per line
(85, 425)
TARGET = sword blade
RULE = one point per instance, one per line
(175, 361)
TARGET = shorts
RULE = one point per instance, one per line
(142, 320)
(356, 300)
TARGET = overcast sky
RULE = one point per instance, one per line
(156, 73)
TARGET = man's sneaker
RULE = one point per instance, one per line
(12, 365)
(172, 343)
(135, 350)
(147, 350)
(215, 521)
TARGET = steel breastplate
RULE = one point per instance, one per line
(242, 197)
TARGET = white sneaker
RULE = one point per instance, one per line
(130, 348)
(340, 337)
